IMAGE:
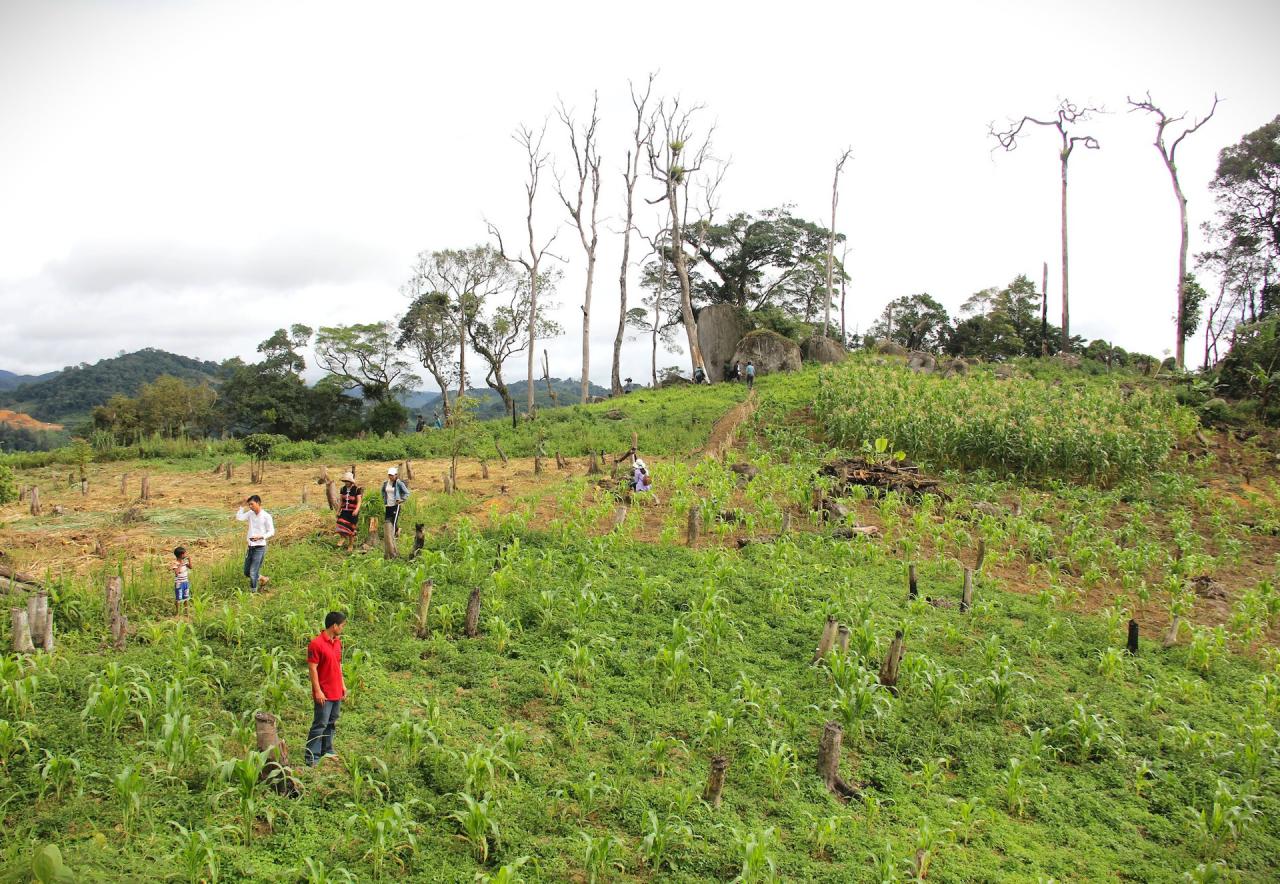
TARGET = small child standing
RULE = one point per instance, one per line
(181, 568)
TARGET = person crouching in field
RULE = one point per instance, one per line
(181, 568)
(349, 500)
(324, 660)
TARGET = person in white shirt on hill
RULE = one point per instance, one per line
(261, 527)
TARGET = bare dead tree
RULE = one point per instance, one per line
(831, 245)
(1169, 154)
(1044, 308)
(537, 161)
(672, 164)
(641, 135)
(1067, 116)
(844, 282)
(584, 145)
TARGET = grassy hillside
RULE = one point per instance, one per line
(572, 738)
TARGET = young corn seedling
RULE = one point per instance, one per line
(57, 772)
(601, 856)
(1224, 819)
(196, 856)
(389, 831)
(508, 873)
(574, 729)
(971, 814)
(13, 740)
(778, 764)
(478, 825)
(244, 775)
(756, 848)
(368, 776)
(824, 833)
(658, 751)
(128, 790)
(931, 774)
(665, 834)
(314, 871)
(1088, 732)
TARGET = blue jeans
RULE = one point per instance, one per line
(253, 564)
(320, 737)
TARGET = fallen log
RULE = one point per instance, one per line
(903, 476)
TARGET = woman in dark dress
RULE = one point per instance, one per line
(349, 499)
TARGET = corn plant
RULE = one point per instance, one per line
(657, 753)
(501, 631)
(778, 764)
(368, 775)
(244, 776)
(824, 832)
(1000, 686)
(574, 728)
(314, 871)
(865, 701)
(672, 667)
(13, 740)
(601, 856)
(1039, 750)
(478, 825)
(196, 856)
(18, 684)
(1088, 732)
(128, 789)
(508, 873)
(664, 835)
(580, 660)
(885, 867)
(931, 774)
(756, 847)
(1216, 872)
(389, 831)
(943, 690)
(717, 728)
(1225, 817)
(588, 791)
(1014, 787)
(57, 772)
(971, 813)
(927, 843)
(107, 707)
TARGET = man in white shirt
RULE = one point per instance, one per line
(261, 526)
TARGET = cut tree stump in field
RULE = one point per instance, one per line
(117, 621)
(124, 484)
(21, 631)
(827, 639)
(84, 487)
(45, 636)
(419, 540)
(389, 549)
(981, 554)
(1132, 645)
(35, 501)
(13, 575)
(231, 471)
(842, 638)
(422, 623)
(448, 483)
(331, 495)
(561, 463)
(144, 490)
(593, 464)
(1175, 625)
(892, 661)
(913, 588)
(715, 780)
(695, 524)
(304, 495)
(901, 476)
(407, 469)
(471, 625)
(829, 762)
(484, 469)
(501, 454)
(276, 770)
(373, 532)
(966, 592)
(619, 516)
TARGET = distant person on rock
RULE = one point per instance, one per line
(751, 375)
(328, 690)
(422, 424)
(349, 499)
(181, 568)
(394, 493)
(261, 528)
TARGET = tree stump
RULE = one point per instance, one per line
(419, 540)
(21, 631)
(34, 622)
(144, 493)
(422, 623)
(715, 780)
(966, 593)
(484, 469)
(389, 549)
(124, 484)
(22, 494)
(818, 498)
(593, 464)
(1132, 646)
(118, 623)
(619, 516)
(84, 487)
(35, 501)
(471, 626)
(407, 468)
(1175, 625)
(373, 532)
(842, 638)
(230, 470)
(913, 588)
(695, 524)
(786, 521)
(501, 454)
(331, 495)
(981, 554)
(276, 770)
(829, 762)
(892, 660)
(537, 464)
(448, 483)
(304, 495)
(561, 463)
(828, 638)
(45, 635)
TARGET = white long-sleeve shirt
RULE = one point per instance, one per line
(261, 525)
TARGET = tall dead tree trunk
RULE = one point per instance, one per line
(1066, 116)
(1044, 308)
(586, 160)
(831, 245)
(537, 161)
(1169, 154)
(631, 173)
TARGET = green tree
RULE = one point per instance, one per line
(365, 358)
(917, 322)
(1193, 296)
(429, 330)
(1247, 189)
(499, 329)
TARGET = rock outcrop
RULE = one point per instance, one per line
(720, 328)
(820, 348)
(890, 348)
(770, 352)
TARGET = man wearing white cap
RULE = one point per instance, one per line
(394, 493)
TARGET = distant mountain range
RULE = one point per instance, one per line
(69, 395)
(568, 392)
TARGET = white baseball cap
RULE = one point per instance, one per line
(391, 471)
(641, 464)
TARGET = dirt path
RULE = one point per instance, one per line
(725, 429)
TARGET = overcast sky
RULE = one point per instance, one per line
(191, 176)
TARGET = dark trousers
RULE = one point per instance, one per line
(253, 564)
(320, 737)
(393, 518)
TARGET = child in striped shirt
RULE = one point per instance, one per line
(181, 568)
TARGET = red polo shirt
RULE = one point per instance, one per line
(326, 653)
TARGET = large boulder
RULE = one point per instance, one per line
(890, 348)
(770, 352)
(820, 348)
(918, 360)
(720, 327)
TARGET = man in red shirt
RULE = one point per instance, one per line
(324, 660)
